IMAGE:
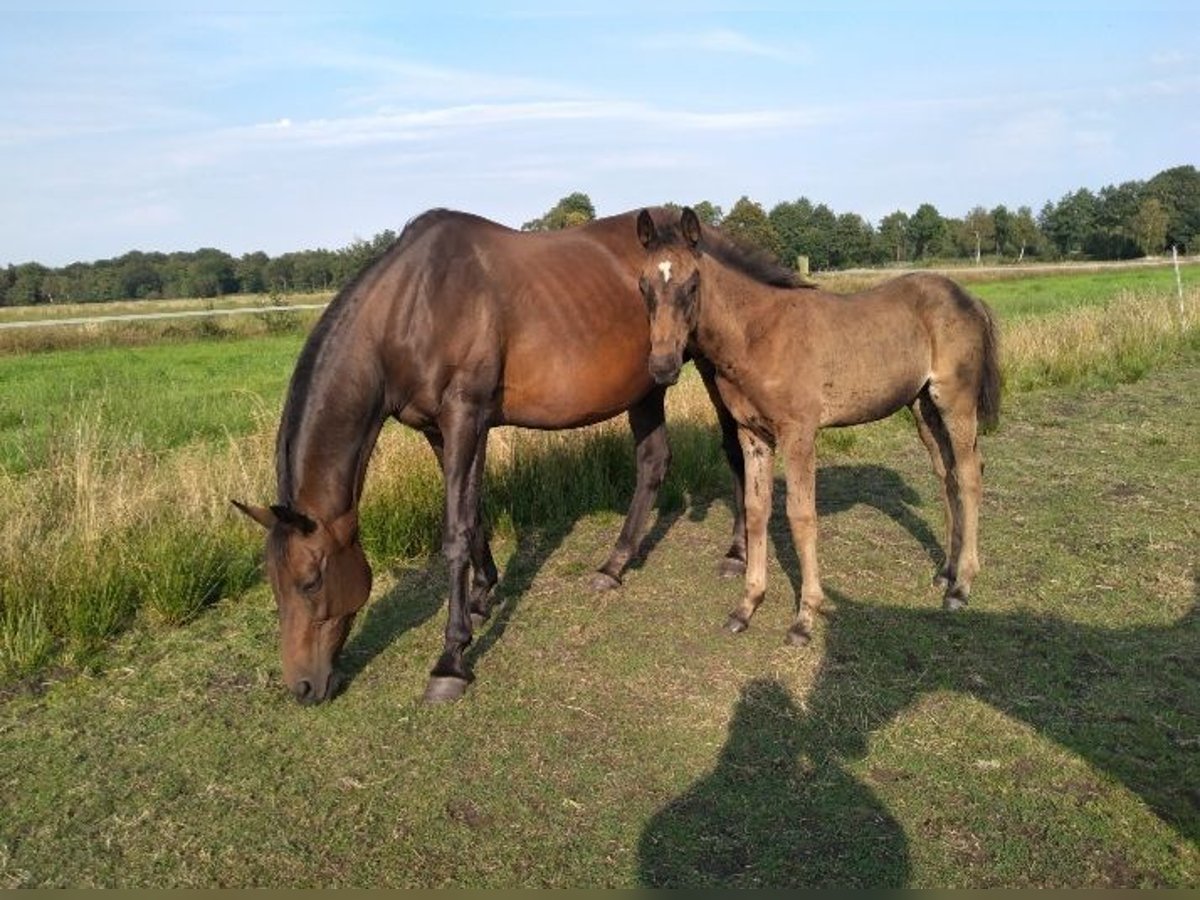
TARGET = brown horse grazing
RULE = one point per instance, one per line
(462, 325)
(789, 363)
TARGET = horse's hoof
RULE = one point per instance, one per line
(444, 689)
(954, 601)
(602, 581)
(736, 624)
(797, 637)
(731, 567)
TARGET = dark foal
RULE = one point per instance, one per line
(788, 363)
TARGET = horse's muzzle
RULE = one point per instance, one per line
(664, 368)
(311, 692)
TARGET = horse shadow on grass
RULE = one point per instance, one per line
(781, 808)
(420, 591)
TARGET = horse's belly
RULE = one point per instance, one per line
(561, 393)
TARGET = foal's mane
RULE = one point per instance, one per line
(754, 263)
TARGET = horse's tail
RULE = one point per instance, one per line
(991, 384)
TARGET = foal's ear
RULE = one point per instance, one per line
(646, 231)
(260, 514)
(690, 226)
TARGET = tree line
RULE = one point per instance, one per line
(1133, 219)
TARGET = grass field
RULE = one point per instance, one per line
(1046, 737)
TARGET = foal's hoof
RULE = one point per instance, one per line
(444, 689)
(731, 567)
(954, 600)
(942, 578)
(602, 581)
(736, 624)
(797, 637)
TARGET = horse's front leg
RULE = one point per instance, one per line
(800, 463)
(464, 432)
(647, 419)
(760, 476)
(484, 574)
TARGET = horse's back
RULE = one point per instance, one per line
(554, 319)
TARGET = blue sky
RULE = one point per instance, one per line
(293, 126)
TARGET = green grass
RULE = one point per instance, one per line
(150, 398)
(1016, 298)
(1045, 737)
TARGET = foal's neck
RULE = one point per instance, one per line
(729, 304)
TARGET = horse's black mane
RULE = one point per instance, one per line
(753, 263)
(757, 264)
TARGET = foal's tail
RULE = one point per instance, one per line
(990, 385)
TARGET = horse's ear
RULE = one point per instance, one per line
(259, 514)
(646, 232)
(690, 225)
(290, 518)
(344, 528)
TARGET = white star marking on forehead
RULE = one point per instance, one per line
(665, 268)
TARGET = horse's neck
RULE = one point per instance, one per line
(332, 418)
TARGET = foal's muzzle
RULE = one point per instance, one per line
(664, 368)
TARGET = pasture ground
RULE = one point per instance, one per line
(1047, 736)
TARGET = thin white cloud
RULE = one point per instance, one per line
(724, 41)
(431, 124)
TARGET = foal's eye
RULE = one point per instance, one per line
(647, 290)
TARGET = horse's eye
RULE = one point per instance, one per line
(312, 585)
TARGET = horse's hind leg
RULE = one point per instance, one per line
(647, 419)
(933, 435)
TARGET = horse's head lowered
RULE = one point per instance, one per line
(670, 285)
(320, 578)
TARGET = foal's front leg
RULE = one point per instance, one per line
(800, 462)
(760, 474)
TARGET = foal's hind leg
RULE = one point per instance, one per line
(965, 488)
(647, 418)
(933, 435)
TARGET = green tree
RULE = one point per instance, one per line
(573, 209)
(978, 229)
(1148, 226)
(1025, 233)
(747, 224)
(893, 236)
(1002, 229)
(251, 272)
(926, 231)
(1178, 190)
(1069, 223)
(853, 238)
(708, 213)
(25, 286)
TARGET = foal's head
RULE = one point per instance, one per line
(321, 578)
(670, 284)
